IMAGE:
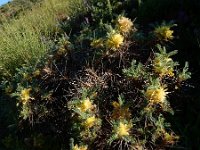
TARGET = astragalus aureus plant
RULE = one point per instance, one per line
(75, 92)
(85, 116)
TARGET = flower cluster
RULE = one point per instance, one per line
(85, 105)
(122, 129)
(82, 147)
(121, 122)
(162, 63)
(115, 36)
(164, 33)
(25, 95)
(156, 93)
(114, 40)
(168, 137)
(124, 25)
(85, 115)
(97, 43)
(120, 110)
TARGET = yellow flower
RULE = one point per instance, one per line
(116, 105)
(114, 41)
(124, 24)
(170, 72)
(61, 51)
(25, 95)
(170, 138)
(97, 43)
(90, 122)
(164, 70)
(76, 147)
(123, 130)
(27, 76)
(120, 112)
(36, 73)
(85, 105)
(163, 66)
(164, 33)
(156, 95)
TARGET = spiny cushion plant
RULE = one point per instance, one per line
(101, 92)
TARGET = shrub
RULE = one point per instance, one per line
(102, 87)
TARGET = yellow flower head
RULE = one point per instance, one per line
(164, 33)
(116, 105)
(156, 96)
(159, 60)
(120, 112)
(25, 95)
(97, 43)
(114, 41)
(90, 122)
(76, 147)
(124, 24)
(36, 73)
(170, 138)
(61, 51)
(170, 72)
(85, 105)
(123, 130)
(163, 66)
(27, 76)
